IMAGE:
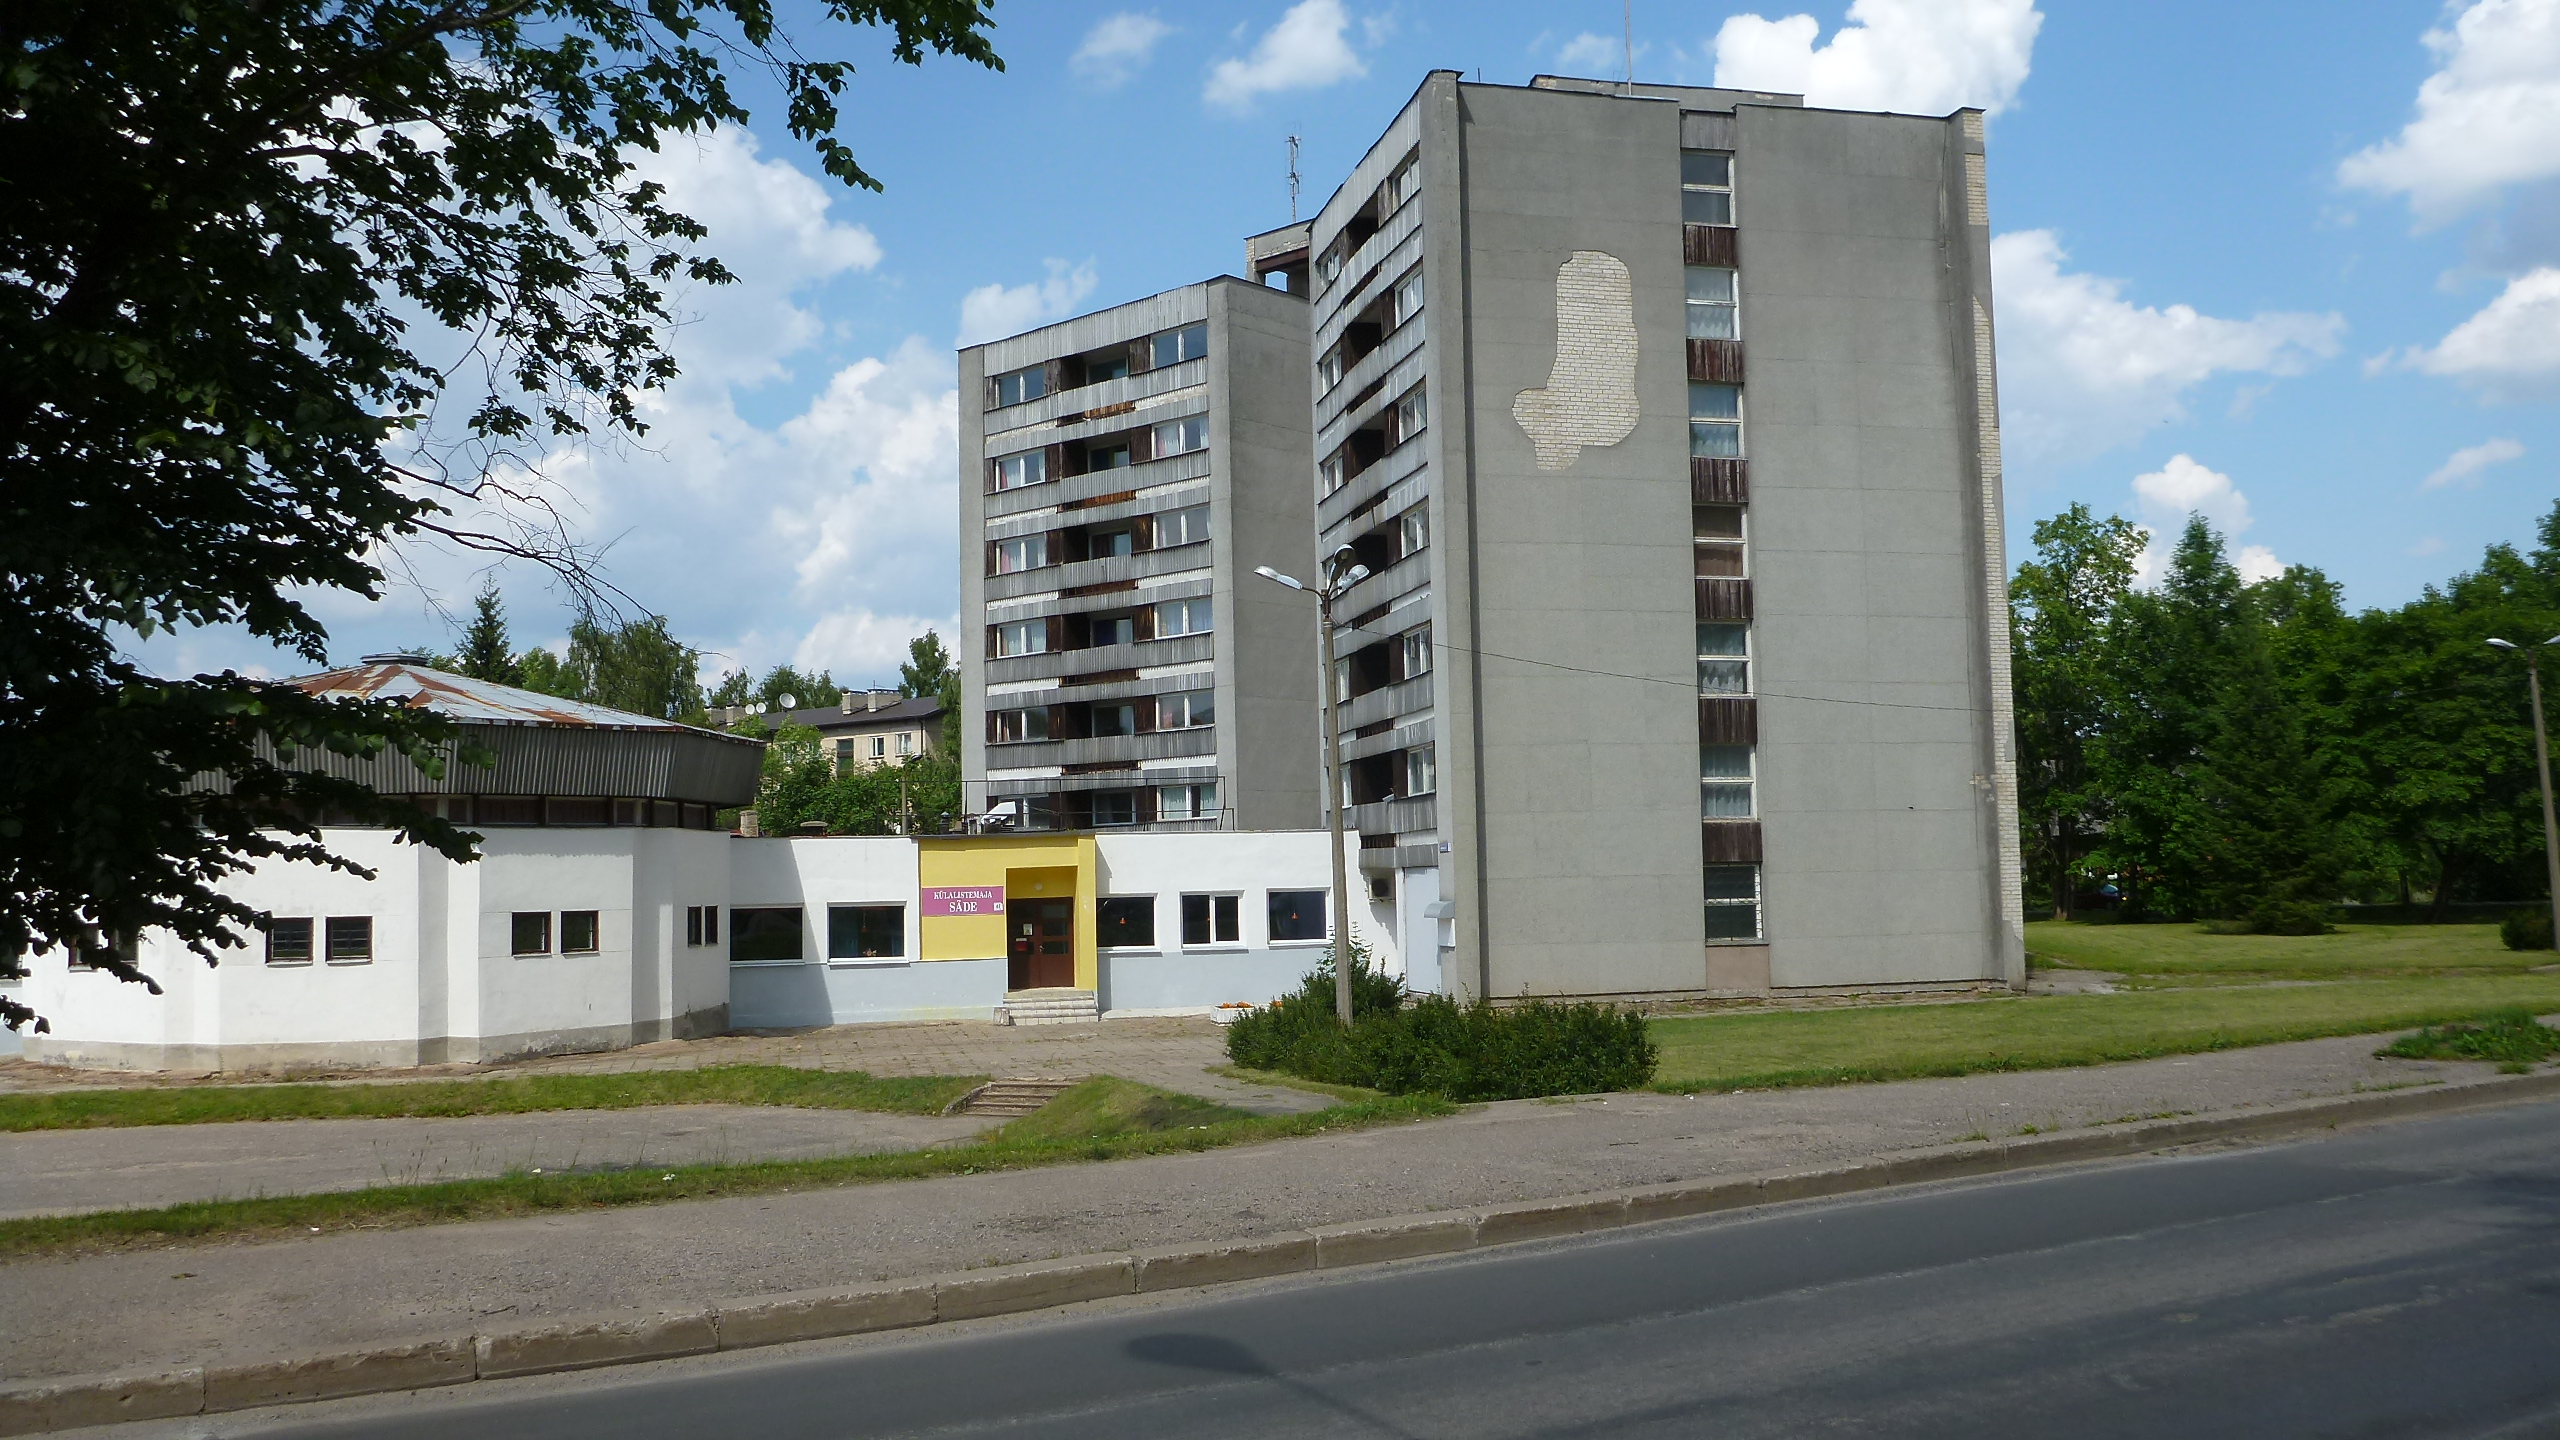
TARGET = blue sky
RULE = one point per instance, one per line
(2295, 265)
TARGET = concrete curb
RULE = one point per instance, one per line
(34, 1406)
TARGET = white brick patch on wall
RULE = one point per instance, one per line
(1590, 395)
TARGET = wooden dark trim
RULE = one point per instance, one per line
(1724, 599)
(1728, 720)
(1730, 842)
(1718, 482)
(1719, 360)
(1710, 245)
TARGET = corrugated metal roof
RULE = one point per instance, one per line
(464, 698)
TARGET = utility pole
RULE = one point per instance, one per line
(2542, 769)
(1341, 572)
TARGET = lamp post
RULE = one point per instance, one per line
(2542, 768)
(1341, 572)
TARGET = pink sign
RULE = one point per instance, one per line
(963, 900)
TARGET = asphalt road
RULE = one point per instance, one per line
(2398, 1281)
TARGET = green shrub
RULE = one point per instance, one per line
(2278, 916)
(1439, 1047)
(2526, 930)
(2511, 1037)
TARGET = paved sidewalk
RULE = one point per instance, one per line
(222, 1303)
(1170, 1051)
(57, 1171)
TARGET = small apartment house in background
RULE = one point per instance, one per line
(865, 728)
(1118, 473)
(1672, 675)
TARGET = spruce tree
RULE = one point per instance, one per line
(484, 654)
(2262, 835)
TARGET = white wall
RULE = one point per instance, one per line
(1250, 865)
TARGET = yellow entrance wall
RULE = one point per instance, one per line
(1033, 867)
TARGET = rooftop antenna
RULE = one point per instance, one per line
(1629, 8)
(1293, 179)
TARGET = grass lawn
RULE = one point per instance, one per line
(715, 1084)
(2186, 955)
(1103, 1118)
(1829, 1047)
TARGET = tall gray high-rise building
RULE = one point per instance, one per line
(1118, 473)
(1665, 420)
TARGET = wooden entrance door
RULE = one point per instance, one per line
(1042, 955)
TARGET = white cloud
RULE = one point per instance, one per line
(1591, 54)
(992, 312)
(2488, 117)
(2466, 463)
(2083, 370)
(2510, 349)
(1118, 48)
(1305, 51)
(1920, 57)
(2167, 496)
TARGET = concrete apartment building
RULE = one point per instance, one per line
(1118, 473)
(1675, 673)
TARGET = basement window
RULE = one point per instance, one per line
(529, 933)
(1733, 902)
(289, 941)
(580, 933)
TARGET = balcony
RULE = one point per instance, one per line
(1402, 737)
(1394, 817)
(1097, 572)
(1101, 749)
(1143, 476)
(1052, 664)
(1387, 702)
(1412, 571)
(1049, 408)
(1398, 346)
(1373, 255)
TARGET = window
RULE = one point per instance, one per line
(1125, 921)
(866, 932)
(765, 933)
(1027, 552)
(878, 746)
(1329, 370)
(1212, 919)
(1706, 188)
(1186, 711)
(1187, 526)
(1408, 298)
(1105, 544)
(1719, 540)
(1297, 915)
(906, 742)
(1019, 386)
(1417, 651)
(1031, 467)
(1331, 476)
(1724, 659)
(1007, 727)
(579, 932)
(1421, 770)
(1181, 437)
(844, 753)
(1182, 617)
(1412, 415)
(1715, 420)
(1114, 807)
(693, 925)
(1022, 637)
(350, 939)
(289, 942)
(1111, 630)
(1114, 720)
(1114, 367)
(1329, 264)
(1733, 902)
(1712, 311)
(1107, 457)
(1401, 186)
(1187, 802)
(1413, 530)
(530, 933)
(710, 924)
(1175, 346)
(1724, 782)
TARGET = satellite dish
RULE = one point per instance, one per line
(790, 702)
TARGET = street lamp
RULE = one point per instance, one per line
(2542, 766)
(1341, 572)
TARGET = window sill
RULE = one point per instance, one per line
(1130, 950)
(365, 961)
(754, 964)
(1229, 949)
(1301, 944)
(288, 964)
(851, 962)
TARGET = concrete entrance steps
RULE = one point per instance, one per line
(1008, 1097)
(1050, 1007)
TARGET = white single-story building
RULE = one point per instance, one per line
(604, 912)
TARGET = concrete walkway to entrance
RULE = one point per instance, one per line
(60, 1171)
(299, 1295)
